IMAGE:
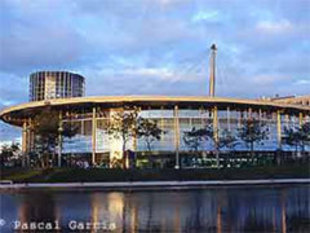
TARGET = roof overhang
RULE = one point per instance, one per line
(27, 109)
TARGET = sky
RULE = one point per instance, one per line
(156, 47)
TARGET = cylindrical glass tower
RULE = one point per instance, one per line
(46, 85)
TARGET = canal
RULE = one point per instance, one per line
(222, 209)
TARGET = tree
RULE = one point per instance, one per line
(149, 131)
(8, 152)
(253, 132)
(46, 134)
(194, 138)
(305, 135)
(298, 137)
(210, 135)
(123, 125)
(227, 139)
(69, 130)
(15, 147)
(46, 130)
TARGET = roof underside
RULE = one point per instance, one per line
(27, 110)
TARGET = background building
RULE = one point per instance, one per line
(299, 100)
(45, 85)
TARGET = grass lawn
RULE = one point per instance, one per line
(109, 175)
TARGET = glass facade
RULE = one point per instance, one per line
(175, 125)
(46, 85)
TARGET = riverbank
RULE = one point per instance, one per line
(74, 175)
(149, 185)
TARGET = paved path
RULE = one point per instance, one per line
(153, 184)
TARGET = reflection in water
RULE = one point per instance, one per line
(263, 209)
(283, 212)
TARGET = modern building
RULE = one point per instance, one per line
(298, 100)
(175, 115)
(45, 85)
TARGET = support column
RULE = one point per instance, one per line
(279, 130)
(82, 127)
(260, 115)
(200, 115)
(240, 118)
(162, 124)
(60, 130)
(228, 119)
(287, 120)
(176, 136)
(301, 120)
(32, 135)
(24, 143)
(94, 127)
(215, 135)
(250, 114)
(134, 138)
(29, 140)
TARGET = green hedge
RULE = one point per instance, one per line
(106, 175)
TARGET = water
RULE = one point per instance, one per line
(243, 209)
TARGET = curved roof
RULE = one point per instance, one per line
(55, 72)
(23, 110)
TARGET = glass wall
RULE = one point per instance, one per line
(184, 120)
(82, 141)
(55, 84)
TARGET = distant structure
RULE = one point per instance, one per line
(295, 100)
(212, 71)
(45, 85)
(291, 99)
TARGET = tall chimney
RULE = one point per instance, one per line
(212, 71)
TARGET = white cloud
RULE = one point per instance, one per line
(163, 73)
(275, 26)
(211, 16)
(267, 79)
(155, 73)
(302, 82)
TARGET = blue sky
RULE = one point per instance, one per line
(157, 47)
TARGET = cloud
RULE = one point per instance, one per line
(37, 36)
(302, 82)
(9, 133)
(157, 47)
(275, 27)
(269, 79)
(211, 16)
